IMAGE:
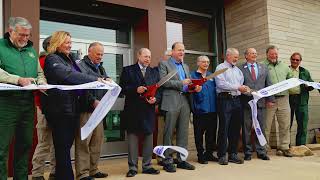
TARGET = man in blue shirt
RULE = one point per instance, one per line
(204, 113)
(175, 105)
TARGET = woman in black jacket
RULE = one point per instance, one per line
(62, 108)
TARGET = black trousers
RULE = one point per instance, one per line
(205, 124)
(230, 119)
(63, 133)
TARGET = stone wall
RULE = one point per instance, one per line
(292, 25)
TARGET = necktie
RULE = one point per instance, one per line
(253, 72)
(143, 70)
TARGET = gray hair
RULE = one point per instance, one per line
(95, 44)
(271, 47)
(202, 58)
(246, 52)
(19, 21)
(141, 50)
(232, 51)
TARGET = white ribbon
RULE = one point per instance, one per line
(91, 85)
(159, 150)
(269, 91)
(100, 111)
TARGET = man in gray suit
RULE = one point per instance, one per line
(175, 105)
(256, 76)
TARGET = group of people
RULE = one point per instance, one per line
(61, 114)
(226, 96)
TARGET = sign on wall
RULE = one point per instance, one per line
(174, 33)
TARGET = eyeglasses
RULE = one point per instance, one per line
(297, 60)
(208, 62)
(23, 35)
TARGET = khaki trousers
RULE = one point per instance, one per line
(281, 111)
(87, 152)
(45, 149)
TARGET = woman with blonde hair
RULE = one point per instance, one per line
(62, 110)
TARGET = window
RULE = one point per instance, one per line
(197, 35)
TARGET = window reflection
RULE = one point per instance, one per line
(113, 64)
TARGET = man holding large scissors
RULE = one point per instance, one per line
(138, 116)
(176, 105)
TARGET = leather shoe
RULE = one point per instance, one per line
(131, 173)
(87, 178)
(202, 160)
(100, 175)
(287, 153)
(263, 157)
(210, 157)
(150, 171)
(233, 158)
(169, 167)
(223, 161)
(247, 157)
(185, 165)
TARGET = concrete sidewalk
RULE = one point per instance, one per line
(296, 168)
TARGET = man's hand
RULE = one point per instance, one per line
(198, 88)
(243, 88)
(108, 79)
(141, 89)
(100, 80)
(151, 100)
(186, 81)
(25, 81)
(95, 103)
(269, 104)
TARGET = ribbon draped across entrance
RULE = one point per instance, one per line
(100, 111)
(269, 91)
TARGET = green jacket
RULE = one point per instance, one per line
(278, 72)
(16, 63)
(304, 93)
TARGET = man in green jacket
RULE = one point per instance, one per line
(278, 72)
(19, 66)
(299, 97)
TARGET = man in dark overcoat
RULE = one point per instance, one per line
(138, 117)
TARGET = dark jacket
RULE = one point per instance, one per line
(304, 74)
(138, 115)
(205, 100)
(59, 69)
(87, 67)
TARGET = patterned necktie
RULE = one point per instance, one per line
(143, 70)
(253, 72)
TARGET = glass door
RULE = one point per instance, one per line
(116, 56)
(115, 141)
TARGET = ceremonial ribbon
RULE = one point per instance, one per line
(159, 150)
(269, 91)
(100, 111)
